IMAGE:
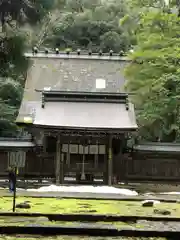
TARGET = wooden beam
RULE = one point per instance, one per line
(110, 165)
(100, 133)
(58, 160)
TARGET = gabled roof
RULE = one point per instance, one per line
(16, 144)
(70, 73)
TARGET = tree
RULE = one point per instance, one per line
(23, 10)
(89, 24)
(13, 64)
(154, 76)
(12, 60)
(81, 5)
(113, 41)
(11, 93)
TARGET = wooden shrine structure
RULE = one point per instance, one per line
(78, 116)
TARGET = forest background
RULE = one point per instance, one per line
(147, 31)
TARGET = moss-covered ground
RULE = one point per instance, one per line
(55, 205)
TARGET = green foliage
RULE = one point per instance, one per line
(154, 76)
(42, 8)
(112, 40)
(154, 4)
(80, 5)
(23, 11)
(12, 57)
(86, 24)
(13, 64)
(11, 93)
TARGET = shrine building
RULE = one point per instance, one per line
(78, 114)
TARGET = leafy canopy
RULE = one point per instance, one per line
(88, 24)
(154, 76)
(13, 65)
(23, 11)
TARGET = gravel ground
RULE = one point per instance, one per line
(163, 226)
(141, 225)
(144, 225)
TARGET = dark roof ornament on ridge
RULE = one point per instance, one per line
(46, 51)
(100, 53)
(35, 50)
(121, 53)
(57, 50)
(111, 52)
(67, 51)
(90, 52)
(78, 54)
(78, 51)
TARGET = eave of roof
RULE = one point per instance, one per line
(86, 115)
(76, 130)
(158, 147)
(16, 144)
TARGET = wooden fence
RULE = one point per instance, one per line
(146, 167)
(136, 166)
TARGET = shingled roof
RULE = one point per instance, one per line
(73, 72)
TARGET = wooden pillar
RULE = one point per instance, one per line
(96, 156)
(44, 142)
(58, 160)
(44, 146)
(68, 153)
(105, 166)
(106, 163)
(110, 162)
(61, 167)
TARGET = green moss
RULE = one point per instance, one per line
(53, 205)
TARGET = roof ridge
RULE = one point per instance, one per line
(74, 55)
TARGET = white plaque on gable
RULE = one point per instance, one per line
(100, 83)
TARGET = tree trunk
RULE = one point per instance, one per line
(3, 22)
(178, 7)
